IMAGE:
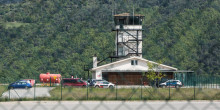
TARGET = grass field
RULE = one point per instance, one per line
(70, 93)
(136, 94)
(3, 89)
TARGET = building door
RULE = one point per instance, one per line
(125, 78)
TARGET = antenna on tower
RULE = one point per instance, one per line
(114, 8)
(133, 13)
(133, 9)
(112, 12)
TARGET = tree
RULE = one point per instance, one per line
(54, 35)
(153, 75)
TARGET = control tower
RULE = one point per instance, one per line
(128, 28)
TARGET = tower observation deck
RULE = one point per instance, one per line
(128, 28)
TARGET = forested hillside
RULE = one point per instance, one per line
(61, 36)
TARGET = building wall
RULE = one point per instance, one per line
(125, 66)
(98, 75)
(94, 75)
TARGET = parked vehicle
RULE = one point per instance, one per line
(50, 78)
(173, 83)
(160, 81)
(32, 81)
(91, 82)
(104, 84)
(74, 82)
(20, 84)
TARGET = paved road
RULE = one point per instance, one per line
(28, 93)
(111, 105)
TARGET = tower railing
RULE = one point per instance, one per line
(128, 27)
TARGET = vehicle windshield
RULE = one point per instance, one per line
(105, 82)
(172, 81)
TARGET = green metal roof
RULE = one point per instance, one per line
(163, 71)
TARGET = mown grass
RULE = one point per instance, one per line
(3, 89)
(136, 94)
(70, 93)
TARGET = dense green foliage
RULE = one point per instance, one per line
(153, 76)
(60, 36)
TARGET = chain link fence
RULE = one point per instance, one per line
(195, 87)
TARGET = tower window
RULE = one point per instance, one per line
(121, 51)
(134, 62)
(120, 37)
(121, 21)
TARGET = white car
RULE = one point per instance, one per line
(91, 82)
(104, 84)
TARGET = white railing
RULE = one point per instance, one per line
(129, 27)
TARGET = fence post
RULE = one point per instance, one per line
(50, 81)
(194, 90)
(9, 94)
(116, 94)
(211, 81)
(87, 92)
(216, 82)
(34, 89)
(169, 90)
(206, 83)
(61, 94)
(202, 81)
(141, 89)
(88, 86)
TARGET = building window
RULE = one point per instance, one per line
(120, 37)
(121, 51)
(134, 62)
